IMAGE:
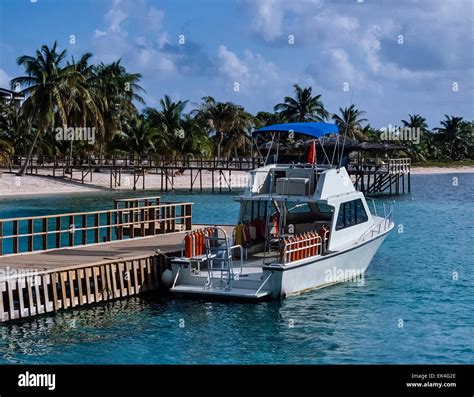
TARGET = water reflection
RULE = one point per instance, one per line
(39, 336)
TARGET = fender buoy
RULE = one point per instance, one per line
(167, 278)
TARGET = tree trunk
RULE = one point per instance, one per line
(28, 156)
(219, 144)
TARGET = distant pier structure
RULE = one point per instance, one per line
(376, 168)
(82, 169)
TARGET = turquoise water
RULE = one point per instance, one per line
(416, 304)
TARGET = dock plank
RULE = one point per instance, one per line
(96, 254)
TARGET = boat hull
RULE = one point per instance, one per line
(348, 265)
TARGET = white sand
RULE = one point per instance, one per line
(12, 185)
(442, 170)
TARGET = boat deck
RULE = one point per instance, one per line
(95, 254)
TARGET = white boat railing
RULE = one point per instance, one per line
(381, 225)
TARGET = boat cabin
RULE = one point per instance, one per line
(285, 205)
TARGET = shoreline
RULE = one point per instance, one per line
(12, 186)
(420, 170)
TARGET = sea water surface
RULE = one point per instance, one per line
(416, 304)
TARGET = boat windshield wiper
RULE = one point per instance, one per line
(296, 206)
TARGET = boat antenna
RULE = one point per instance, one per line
(345, 135)
(278, 147)
(270, 149)
(255, 143)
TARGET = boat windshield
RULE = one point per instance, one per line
(254, 210)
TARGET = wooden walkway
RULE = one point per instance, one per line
(36, 283)
(96, 254)
(165, 166)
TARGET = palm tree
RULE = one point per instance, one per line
(46, 83)
(263, 119)
(82, 103)
(140, 138)
(417, 150)
(169, 118)
(457, 136)
(416, 121)
(239, 137)
(370, 134)
(351, 121)
(6, 152)
(304, 107)
(116, 89)
(223, 119)
(13, 128)
(196, 139)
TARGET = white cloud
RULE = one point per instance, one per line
(230, 65)
(354, 34)
(115, 16)
(269, 19)
(155, 19)
(99, 33)
(142, 52)
(251, 71)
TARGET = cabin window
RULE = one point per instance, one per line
(253, 210)
(324, 208)
(361, 215)
(351, 213)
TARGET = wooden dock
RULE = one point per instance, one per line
(44, 282)
(375, 176)
(81, 169)
(370, 175)
(55, 262)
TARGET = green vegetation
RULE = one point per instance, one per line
(63, 93)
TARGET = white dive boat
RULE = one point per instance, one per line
(300, 227)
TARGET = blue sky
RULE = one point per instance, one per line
(396, 56)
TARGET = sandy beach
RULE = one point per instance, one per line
(442, 170)
(12, 185)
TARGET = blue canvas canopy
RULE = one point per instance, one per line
(313, 129)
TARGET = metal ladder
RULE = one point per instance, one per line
(219, 258)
